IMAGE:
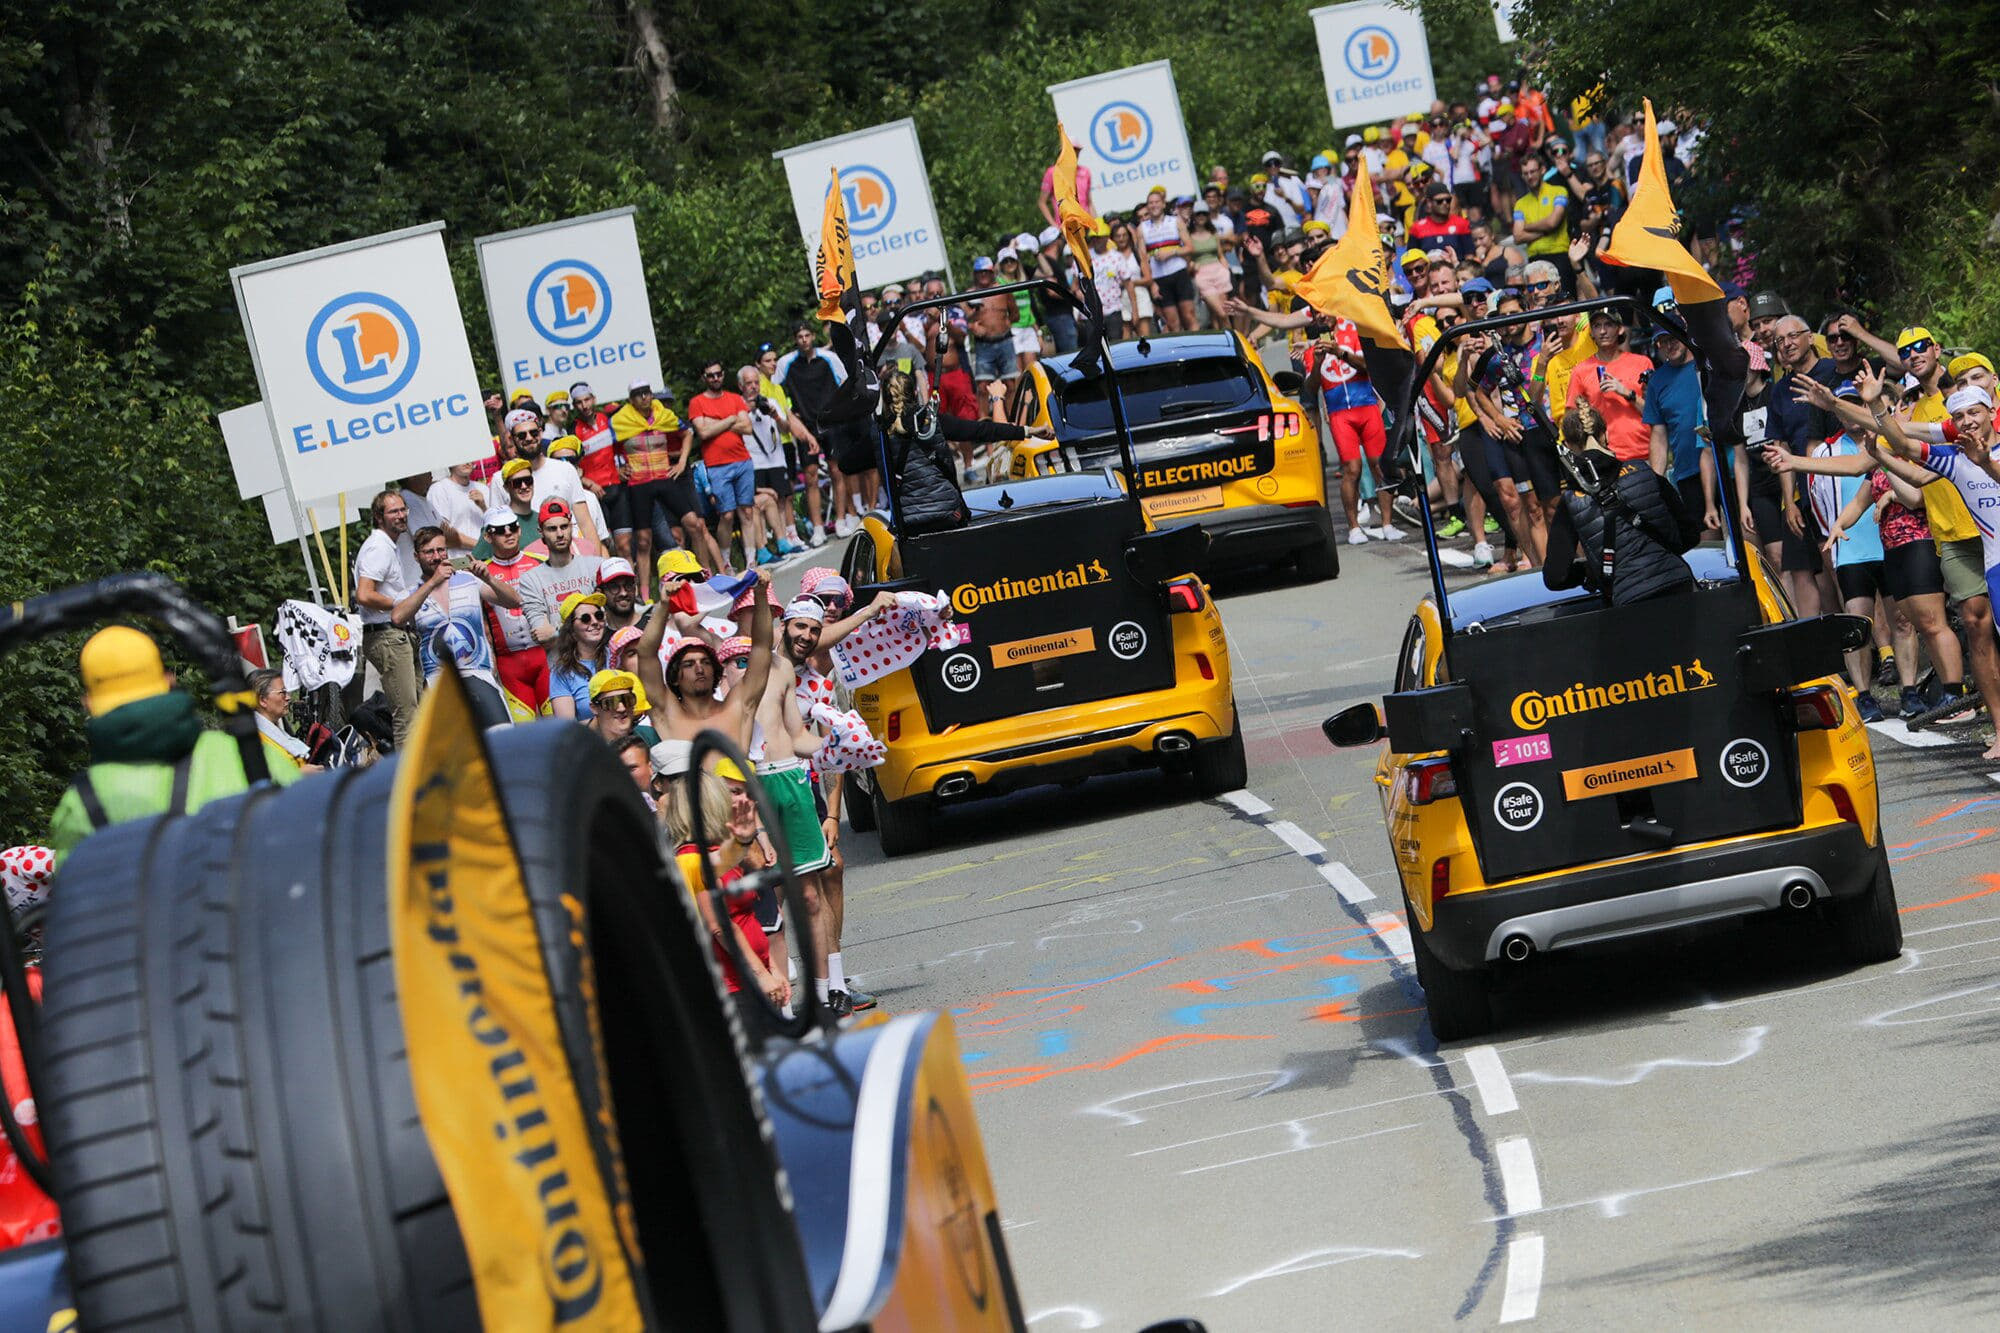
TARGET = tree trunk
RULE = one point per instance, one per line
(656, 65)
(87, 126)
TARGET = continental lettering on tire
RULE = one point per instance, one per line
(967, 598)
(493, 1089)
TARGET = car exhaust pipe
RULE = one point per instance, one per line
(1174, 742)
(958, 784)
(1799, 894)
(1517, 948)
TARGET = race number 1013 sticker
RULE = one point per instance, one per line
(1522, 749)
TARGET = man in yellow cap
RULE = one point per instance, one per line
(149, 753)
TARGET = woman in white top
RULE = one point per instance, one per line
(1166, 243)
(1138, 276)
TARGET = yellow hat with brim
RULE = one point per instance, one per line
(1968, 361)
(614, 682)
(726, 768)
(120, 665)
(574, 600)
(680, 560)
(1373, 134)
(521, 396)
(514, 467)
(555, 396)
(1317, 227)
(562, 444)
(1918, 334)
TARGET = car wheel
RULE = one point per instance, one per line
(1320, 561)
(903, 826)
(854, 800)
(1868, 927)
(1221, 766)
(1460, 1004)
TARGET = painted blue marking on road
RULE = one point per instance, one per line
(974, 1057)
(1052, 1043)
(1195, 1015)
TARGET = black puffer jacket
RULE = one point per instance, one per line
(1651, 527)
(924, 470)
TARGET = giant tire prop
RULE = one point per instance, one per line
(231, 1125)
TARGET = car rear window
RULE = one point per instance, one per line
(1194, 387)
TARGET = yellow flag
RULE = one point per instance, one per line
(1649, 235)
(1352, 280)
(833, 268)
(486, 1057)
(1077, 223)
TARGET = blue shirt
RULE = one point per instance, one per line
(458, 633)
(1864, 539)
(575, 684)
(1673, 400)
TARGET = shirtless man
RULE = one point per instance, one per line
(683, 693)
(992, 327)
(789, 741)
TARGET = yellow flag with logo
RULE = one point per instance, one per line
(833, 267)
(1649, 235)
(1076, 220)
(493, 1085)
(1351, 280)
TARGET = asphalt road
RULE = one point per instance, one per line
(1207, 1087)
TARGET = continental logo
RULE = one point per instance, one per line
(969, 597)
(1196, 474)
(1531, 711)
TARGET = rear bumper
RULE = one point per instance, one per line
(1250, 533)
(1657, 894)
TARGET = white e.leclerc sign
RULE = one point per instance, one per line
(1129, 132)
(890, 215)
(363, 361)
(1376, 59)
(568, 305)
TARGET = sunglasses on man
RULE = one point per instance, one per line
(1920, 345)
(512, 482)
(503, 527)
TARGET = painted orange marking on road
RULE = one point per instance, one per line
(1337, 1013)
(992, 1080)
(1992, 883)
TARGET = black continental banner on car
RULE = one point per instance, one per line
(1618, 733)
(1056, 618)
(543, 1228)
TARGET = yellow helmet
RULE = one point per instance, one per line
(120, 665)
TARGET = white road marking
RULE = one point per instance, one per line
(1496, 1094)
(1994, 776)
(1395, 935)
(1898, 730)
(1345, 882)
(1084, 1316)
(1612, 1206)
(1519, 1184)
(1311, 1259)
(1748, 1044)
(1300, 1146)
(1295, 838)
(1524, 1279)
(1248, 803)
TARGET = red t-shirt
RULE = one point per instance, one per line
(728, 447)
(1628, 435)
(1453, 233)
(743, 914)
(955, 394)
(599, 462)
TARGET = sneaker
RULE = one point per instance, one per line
(860, 999)
(1357, 536)
(1885, 671)
(788, 547)
(766, 556)
(1492, 526)
(1407, 507)
(1388, 532)
(817, 537)
(1482, 555)
(1957, 706)
(1452, 527)
(1912, 703)
(1870, 710)
(839, 1004)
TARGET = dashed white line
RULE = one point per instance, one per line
(1898, 730)
(1524, 1279)
(1518, 1181)
(1345, 882)
(1247, 802)
(1496, 1092)
(1295, 838)
(1395, 935)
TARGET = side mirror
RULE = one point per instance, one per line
(1777, 657)
(1290, 383)
(1166, 553)
(1421, 721)
(1359, 725)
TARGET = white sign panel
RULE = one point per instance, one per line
(1131, 135)
(568, 305)
(1376, 59)
(890, 215)
(1503, 18)
(253, 454)
(364, 363)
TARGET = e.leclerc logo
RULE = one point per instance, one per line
(1373, 55)
(364, 349)
(870, 197)
(1122, 134)
(569, 304)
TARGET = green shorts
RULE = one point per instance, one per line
(788, 785)
(1964, 565)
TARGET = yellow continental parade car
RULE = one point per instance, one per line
(1217, 440)
(1561, 772)
(1095, 649)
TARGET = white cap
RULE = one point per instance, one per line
(1969, 395)
(806, 608)
(641, 383)
(1354, 141)
(1668, 127)
(1025, 242)
(1272, 155)
(499, 517)
(1006, 253)
(670, 757)
(1050, 234)
(521, 416)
